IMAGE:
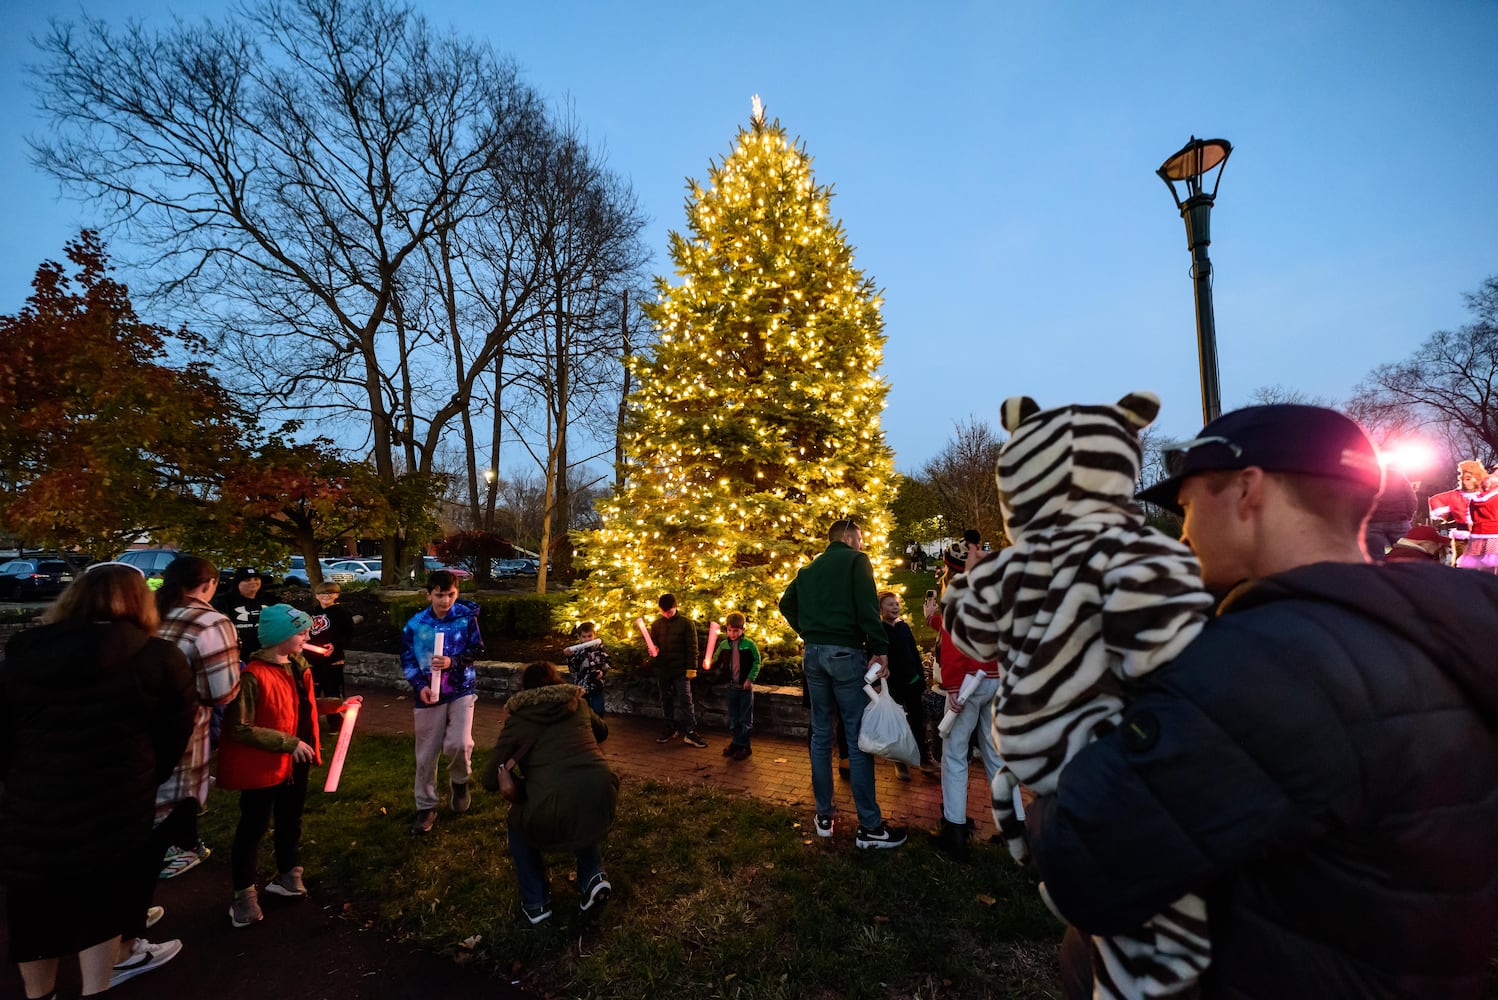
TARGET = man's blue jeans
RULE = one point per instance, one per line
(530, 870)
(834, 683)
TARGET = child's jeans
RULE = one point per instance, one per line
(530, 870)
(594, 698)
(255, 808)
(740, 714)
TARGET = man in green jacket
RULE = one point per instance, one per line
(834, 606)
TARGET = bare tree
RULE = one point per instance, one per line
(587, 239)
(300, 171)
(1447, 389)
(962, 476)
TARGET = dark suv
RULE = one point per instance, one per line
(150, 562)
(34, 578)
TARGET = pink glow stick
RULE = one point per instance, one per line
(645, 634)
(345, 735)
(436, 672)
(712, 644)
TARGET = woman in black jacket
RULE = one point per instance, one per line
(94, 713)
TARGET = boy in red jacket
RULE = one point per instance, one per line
(270, 743)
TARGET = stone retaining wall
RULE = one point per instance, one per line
(777, 709)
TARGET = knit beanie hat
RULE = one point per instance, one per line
(1474, 468)
(280, 622)
(955, 556)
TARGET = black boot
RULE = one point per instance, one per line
(953, 840)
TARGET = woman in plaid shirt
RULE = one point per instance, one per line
(208, 640)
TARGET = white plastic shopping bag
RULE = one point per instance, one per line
(885, 731)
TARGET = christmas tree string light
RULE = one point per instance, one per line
(755, 420)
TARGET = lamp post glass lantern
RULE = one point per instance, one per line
(1190, 166)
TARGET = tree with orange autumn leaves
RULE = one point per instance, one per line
(113, 429)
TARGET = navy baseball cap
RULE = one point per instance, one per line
(1281, 437)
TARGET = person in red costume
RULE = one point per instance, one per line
(1482, 512)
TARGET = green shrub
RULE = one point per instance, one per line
(518, 616)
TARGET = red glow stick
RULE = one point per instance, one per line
(645, 634)
(345, 735)
(712, 644)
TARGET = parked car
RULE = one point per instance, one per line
(150, 562)
(515, 567)
(433, 564)
(354, 571)
(34, 579)
(297, 574)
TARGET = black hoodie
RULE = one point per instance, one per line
(1321, 764)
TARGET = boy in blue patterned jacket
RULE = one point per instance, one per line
(444, 713)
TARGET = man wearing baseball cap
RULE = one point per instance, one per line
(1321, 763)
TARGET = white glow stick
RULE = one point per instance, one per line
(436, 671)
(345, 735)
(645, 634)
(580, 646)
(712, 644)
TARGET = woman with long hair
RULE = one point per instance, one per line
(570, 793)
(95, 711)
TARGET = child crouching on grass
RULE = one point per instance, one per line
(738, 658)
(270, 743)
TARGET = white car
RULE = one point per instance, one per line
(354, 571)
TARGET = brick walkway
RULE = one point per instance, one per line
(779, 771)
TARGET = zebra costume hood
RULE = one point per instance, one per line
(1085, 600)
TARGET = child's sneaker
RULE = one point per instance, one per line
(424, 820)
(178, 861)
(824, 826)
(536, 915)
(882, 836)
(288, 884)
(245, 909)
(693, 740)
(144, 956)
(598, 890)
(667, 735)
(461, 798)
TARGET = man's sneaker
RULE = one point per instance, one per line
(728, 750)
(424, 820)
(742, 753)
(693, 740)
(883, 835)
(598, 891)
(154, 915)
(178, 861)
(202, 851)
(245, 909)
(535, 916)
(461, 798)
(144, 956)
(667, 735)
(824, 826)
(288, 884)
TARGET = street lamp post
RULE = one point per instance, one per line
(1190, 165)
(492, 479)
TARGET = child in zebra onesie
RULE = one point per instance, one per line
(1086, 600)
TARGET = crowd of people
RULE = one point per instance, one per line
(1262, 762)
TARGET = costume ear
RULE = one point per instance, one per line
(1141, 408)
(1016, 410)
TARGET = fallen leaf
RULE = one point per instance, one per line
(471, 942)
(780, 760)
(986, 900)
(769, 864)
(881, 920)
(806, 841)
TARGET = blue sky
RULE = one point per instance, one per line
(994, 164)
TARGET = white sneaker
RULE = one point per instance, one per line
(144, 956)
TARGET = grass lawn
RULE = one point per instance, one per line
(714, 896)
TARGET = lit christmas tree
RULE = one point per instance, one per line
(756, 419)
